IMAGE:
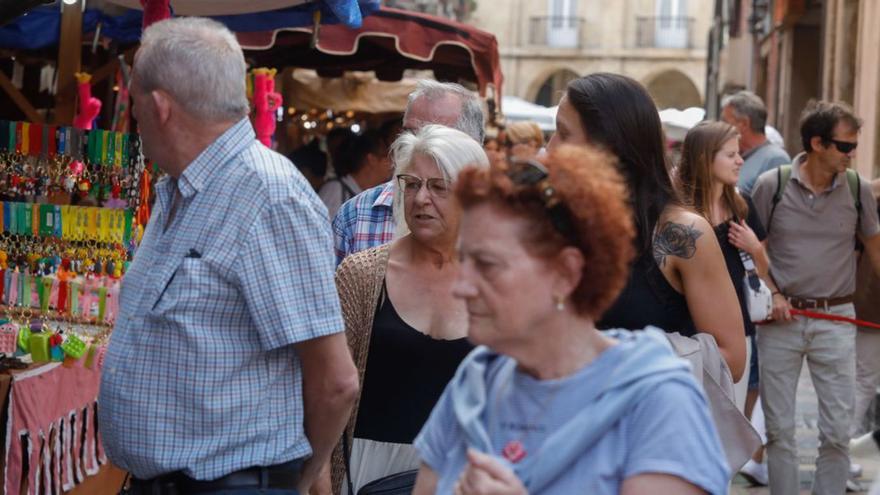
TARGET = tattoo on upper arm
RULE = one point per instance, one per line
(675, 239)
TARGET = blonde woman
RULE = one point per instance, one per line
(524, 139)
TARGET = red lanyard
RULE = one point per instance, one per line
(825, 316)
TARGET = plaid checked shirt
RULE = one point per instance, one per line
(200, 375)
(364, 221)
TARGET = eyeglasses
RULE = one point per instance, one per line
(533, 173)
(844, 146)
(411, 185)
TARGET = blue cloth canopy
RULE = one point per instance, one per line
(41, 27)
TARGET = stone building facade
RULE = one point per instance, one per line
(546, 43)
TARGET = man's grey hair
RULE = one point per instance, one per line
(469, 122)
(748, 104)
(451, 149)
(199, 63)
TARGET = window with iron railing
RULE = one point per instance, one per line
(557, 31)
(664, 32)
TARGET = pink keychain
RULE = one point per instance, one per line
(13, 289)
(53, 294)
(112, 305)
(8, 338)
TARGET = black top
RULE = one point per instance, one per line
(649, 299)
(734, 262)
(406, 373)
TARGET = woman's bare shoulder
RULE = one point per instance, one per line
(679, 233)
(684, 216)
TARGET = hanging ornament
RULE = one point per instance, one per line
(266, 102)
(155, 11)
(76, 168)
(84, 186)
(89, 106)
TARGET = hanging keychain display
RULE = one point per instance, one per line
(74, 205)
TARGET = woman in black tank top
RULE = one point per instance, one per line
(406, 331)
(678, 281)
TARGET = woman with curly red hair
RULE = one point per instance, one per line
(547, 403)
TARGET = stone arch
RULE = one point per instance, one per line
(545, 89)
(671, 88)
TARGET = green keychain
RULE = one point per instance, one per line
(73, 346)
(24, 338)
(102, 302)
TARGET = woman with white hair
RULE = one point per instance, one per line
(406, 331)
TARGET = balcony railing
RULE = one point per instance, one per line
(557, 32)
(664, 32)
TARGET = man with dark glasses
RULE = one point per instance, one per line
(813, 211)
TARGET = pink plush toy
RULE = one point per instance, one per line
(266, 102)
(155, 10)
(89, 107)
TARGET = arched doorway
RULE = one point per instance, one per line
(548, 92)
(673, 89)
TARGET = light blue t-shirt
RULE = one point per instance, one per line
(765, 157)
(669, 431)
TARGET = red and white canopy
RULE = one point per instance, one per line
(389, 42)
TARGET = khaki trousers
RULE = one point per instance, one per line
(867, 375)
(829, 348)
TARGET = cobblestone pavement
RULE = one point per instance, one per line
(808, 444)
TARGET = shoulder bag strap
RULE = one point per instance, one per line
(783, 174)
(751, 269)
(346, 457)
(347, 192)
(855, 187)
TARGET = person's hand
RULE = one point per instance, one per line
(321, 485)
(781, 308)
(743, 237)
(486, 476)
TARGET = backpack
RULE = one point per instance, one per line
(783, 175)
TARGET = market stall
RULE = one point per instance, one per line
(74, 203)
(364, 71)
(75, 199)
(389, 42)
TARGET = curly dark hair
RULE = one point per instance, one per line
(586, 182)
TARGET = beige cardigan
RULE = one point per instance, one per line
(359, 281)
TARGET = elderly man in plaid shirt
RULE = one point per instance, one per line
(227, 371)
(366, 220)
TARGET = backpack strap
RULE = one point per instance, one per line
(855, 186)
(347, 192)
(783, 175)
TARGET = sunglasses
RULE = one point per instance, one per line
(532, 173)
(843, 146)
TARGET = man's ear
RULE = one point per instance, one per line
(373, 160)
(816, 144)
(163, 103)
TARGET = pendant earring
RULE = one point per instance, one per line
(560, 304)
